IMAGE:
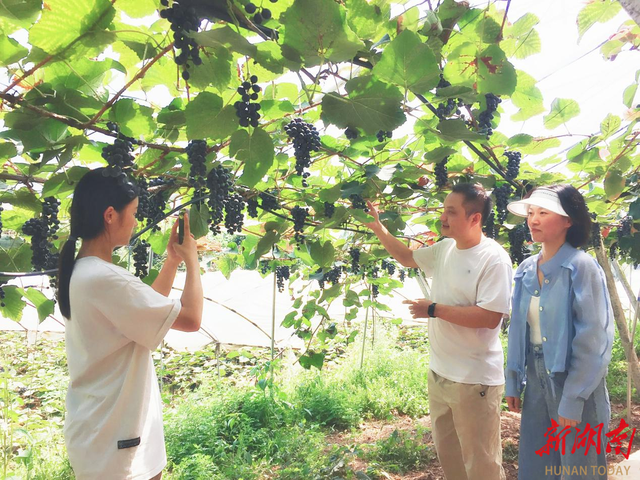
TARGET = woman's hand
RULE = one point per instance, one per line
(187, 251)
(567, 422)
(172, 255)
(514, 404)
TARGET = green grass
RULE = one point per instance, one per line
(617, 376)
(255, 434)
(401, 452)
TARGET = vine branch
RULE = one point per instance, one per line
(141, 73)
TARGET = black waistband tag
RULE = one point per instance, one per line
(132, 442)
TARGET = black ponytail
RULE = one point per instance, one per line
(65, 268)
(93, 194)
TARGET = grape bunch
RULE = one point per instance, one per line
(183, 19)
(354, 253)
(2, 296)
(238, 239)
(373, 273)
(141, 258)
(486, 116)
(374, 270)
(402, 274)
(196, 152)
(264, 267)
(388, 266)
(517, 237)
(220, 188)
(40, 230)
(513, 164)
(152, 205)
(332, 276)
(351, 133)
(299, 215)
(490, 229)
(613, 250)
(246, 111)
(440, 172)
(446, 110)
(329, 209)
(269, 202)
(305, 140)
(282, 274)
(624, 230)
(252, 207)
(233, 218)
(50, 210)
(358, 202)
(382, 135)
(443, 82)
(502, 199)
(156, 207)
(143, 198)
(1, 210)
(119, 158)
(162, 182)
(259, 17)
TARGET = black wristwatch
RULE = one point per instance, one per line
(432, 310)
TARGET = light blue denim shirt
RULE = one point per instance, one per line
(576, 323)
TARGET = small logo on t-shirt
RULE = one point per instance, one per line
(132, 442)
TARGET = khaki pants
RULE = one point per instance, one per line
(465, 421)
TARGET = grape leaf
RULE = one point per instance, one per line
(595, 12)
(64, 21)
(409, 63)
(562, 110)
(256, 151)
(371, 105)
(316, 31)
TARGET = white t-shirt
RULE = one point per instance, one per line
(480, 276)
(113, 426)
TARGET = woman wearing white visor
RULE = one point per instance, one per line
(560, 340)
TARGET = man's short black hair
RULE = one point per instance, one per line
(476, 199)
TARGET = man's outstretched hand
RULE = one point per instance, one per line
(418, 308)
(373, 211)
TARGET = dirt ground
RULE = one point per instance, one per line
(371, 432)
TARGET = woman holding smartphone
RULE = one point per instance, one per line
(113, 424)
(560, 339)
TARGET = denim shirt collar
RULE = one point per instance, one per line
(549, 268)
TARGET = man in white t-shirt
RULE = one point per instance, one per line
(470, 294)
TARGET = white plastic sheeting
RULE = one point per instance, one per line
(237, 311)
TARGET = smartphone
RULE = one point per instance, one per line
(181, 228)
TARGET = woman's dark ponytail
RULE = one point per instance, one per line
(94, 193)
(65, 268)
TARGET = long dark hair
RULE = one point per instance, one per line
(573, 203)
(93, 194)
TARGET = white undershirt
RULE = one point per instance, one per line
(533, 319)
